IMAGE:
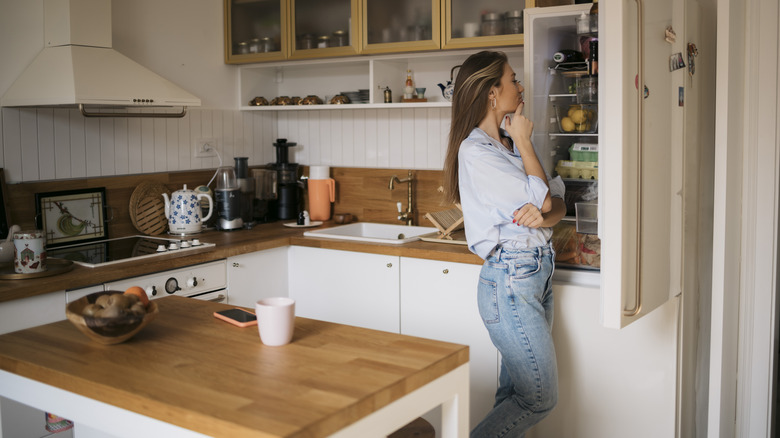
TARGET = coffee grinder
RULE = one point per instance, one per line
(288, 187)
(228, 199)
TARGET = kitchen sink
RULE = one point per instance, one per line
(373, 232)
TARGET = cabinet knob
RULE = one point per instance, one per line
(235, 264)
(389, 265)
(446, 271)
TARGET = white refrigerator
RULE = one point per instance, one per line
(618, 327)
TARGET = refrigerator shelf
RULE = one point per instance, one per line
(573, 134)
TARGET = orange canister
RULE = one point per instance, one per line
(322, 192)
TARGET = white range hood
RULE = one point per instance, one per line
(78, 67)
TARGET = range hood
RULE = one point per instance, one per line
(78, 67)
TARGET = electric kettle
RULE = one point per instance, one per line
(183, 211)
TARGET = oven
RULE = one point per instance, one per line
(205, 281)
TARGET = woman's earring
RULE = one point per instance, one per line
(493, 103)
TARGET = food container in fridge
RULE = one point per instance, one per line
(587, 217)
(584, 152)
(577, 118)
(578, 169)
(573, 249)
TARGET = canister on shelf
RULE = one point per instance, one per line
(339, 38)
(266, 45)
(254, 45)
(323, 42)
(242, 48)
(491, 24)
(513, 22)
(306, 41)
(388, 95)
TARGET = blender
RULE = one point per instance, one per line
(246, 185)
(228, 200)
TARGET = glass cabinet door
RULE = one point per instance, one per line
(255, 30)
(401, 25)
(324, 28)
(487, 23)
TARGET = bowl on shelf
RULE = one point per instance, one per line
(108, 330)
(577, 118)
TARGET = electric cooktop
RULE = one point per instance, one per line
(123, 249)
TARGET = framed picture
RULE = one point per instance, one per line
(72, 216)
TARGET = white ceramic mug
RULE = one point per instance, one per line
(275, 320)
(29, 252)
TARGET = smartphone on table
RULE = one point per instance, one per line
(239, 317)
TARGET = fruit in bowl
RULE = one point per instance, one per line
(111, 317)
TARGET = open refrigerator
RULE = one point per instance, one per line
(622, 161)
(562, 100)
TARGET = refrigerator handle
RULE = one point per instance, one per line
(640, 88)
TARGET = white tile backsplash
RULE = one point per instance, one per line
(49, 144)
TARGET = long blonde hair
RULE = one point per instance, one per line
(469, 106)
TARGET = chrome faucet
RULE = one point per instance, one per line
(404, 216)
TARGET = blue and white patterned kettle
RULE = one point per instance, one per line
(183, 211)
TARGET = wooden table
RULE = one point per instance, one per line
(189, 374)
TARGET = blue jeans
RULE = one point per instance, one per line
(516, 304)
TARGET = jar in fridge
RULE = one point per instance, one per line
(492, 24)
(513, 22)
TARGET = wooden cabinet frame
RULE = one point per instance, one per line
(402, 46)
(282, 53)
(448, 42)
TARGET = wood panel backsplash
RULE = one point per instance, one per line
(363, 192)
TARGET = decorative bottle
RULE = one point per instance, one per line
(409, 87)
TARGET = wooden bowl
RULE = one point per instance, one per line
(108, 331)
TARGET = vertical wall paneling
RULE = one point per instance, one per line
(407, 140)
(62, 168)
(171, 146)
(107, 147)
(45, 127)
(360, 139)
(370, 144)
(29, 139)
(382, 138)
(395, 139)
(185, 145)
(135, 161)
(431, 132)
(348, 139)
(195, 136)
(121, 147)
(324, 136)
(147, 146)
(45, 144)
(78, 145)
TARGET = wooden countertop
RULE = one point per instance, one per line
(190, 369)
(261, 237)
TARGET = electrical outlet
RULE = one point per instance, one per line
(206, 147)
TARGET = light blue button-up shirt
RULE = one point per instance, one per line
(493, 185)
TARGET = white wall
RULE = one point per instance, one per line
(182, 40)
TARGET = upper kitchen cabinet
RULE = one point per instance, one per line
(400, 26)
(488, 23)
(255, 30)
(323, 28)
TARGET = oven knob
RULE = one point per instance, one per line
(151, 291)
(172, 285)
(172, 246)
(192, 282)
(161, 248)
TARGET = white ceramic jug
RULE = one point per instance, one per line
(183, 211)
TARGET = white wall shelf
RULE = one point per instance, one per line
(327, 77)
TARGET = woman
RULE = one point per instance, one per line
(508, 207)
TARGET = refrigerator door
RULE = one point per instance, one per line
(640, 146)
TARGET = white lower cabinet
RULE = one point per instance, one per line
(611, 383)
(346, 287)
(439, 301)
(256, 275)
